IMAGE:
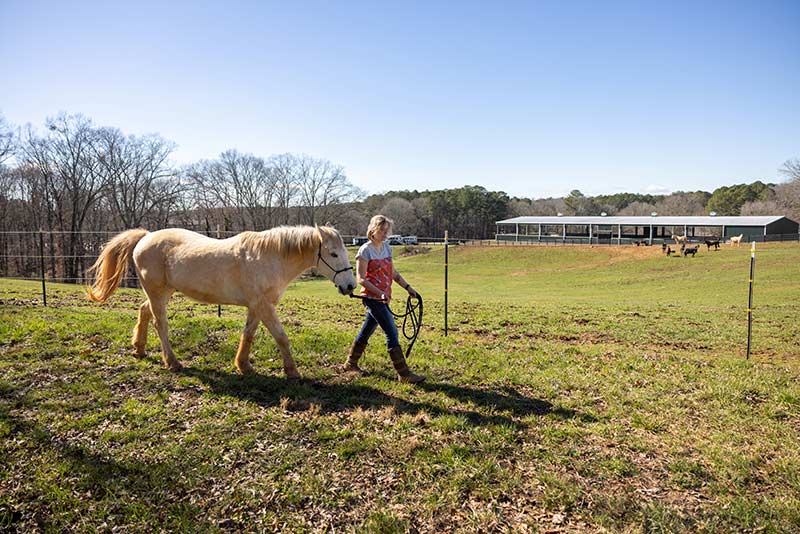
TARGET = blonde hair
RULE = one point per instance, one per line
(378, 222)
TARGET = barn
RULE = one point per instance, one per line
(653, 229)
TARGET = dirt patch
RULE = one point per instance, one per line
(409, 250)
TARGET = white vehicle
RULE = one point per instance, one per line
(410, 240)
(395, 239)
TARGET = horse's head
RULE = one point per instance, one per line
(333, 261)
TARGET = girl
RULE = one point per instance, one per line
(375, 274)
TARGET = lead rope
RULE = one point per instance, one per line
(412, 317)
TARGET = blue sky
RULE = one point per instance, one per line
(532, 98)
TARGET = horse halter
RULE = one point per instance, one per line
(328, 265)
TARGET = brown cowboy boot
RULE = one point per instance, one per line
(404, 374)
(356, 350)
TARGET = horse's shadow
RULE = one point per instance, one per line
(506, 407)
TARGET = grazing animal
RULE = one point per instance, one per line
(251, 269)
(712, 243)
(690, 250)
(736, 240)
(679, 239)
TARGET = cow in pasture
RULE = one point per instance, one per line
(690, 250)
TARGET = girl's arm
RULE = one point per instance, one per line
(405, 285)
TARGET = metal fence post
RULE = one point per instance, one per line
(445, 283)
(219, 306)
(750, 298)
(41, 263)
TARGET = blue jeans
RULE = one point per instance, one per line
(378, 313)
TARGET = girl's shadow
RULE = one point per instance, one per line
(506, 407)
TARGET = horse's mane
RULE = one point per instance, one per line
(286, 240)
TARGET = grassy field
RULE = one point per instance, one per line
(579, 389)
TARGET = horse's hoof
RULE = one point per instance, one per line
(249, 370)
(175, 367)
(293, 375)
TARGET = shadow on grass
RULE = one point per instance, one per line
(494, 407)
(115, 488)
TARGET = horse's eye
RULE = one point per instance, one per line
(335, 255)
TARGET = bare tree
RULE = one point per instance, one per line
(283, 168)
(253, 183)
(637, 209)
(350, 220)
(140, 183)
(681, 203)
(239, 188)
(71, 179)
(401, 211)
(788, 197)
(7, 140)
(762, 207)
(788, 194)
(321, 185)
(791, 169)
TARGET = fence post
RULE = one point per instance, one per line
(41, 264)
(445, 283)
(750, 298)
(219, 306)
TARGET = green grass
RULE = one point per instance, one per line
(578, 389)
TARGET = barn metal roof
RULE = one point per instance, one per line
(647, 221)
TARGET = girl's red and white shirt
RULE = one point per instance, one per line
(379, 267)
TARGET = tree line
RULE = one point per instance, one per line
(72, 178)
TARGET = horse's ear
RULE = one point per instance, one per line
(328, 224)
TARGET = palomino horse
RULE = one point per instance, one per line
(679, 239)
(251, 269)
(736, 239)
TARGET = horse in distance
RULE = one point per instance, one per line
(251, 269)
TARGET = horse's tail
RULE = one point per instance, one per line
(112, 264)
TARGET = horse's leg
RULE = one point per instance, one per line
(242, 360)
(140, 330)
(158, 307)
(270, 319)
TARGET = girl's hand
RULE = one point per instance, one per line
(411, 292)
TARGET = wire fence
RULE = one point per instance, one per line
(47, 256)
